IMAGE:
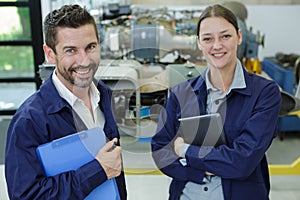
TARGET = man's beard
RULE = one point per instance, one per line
(80, 82)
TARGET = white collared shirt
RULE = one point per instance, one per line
(215, 97)
(91, 120)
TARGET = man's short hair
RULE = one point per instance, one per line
(68, 16)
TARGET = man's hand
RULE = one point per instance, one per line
(109, 157)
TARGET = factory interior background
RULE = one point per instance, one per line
(140, 66)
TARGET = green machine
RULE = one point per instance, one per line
(181, 72)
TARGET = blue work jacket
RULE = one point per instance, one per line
(43, 117)
(250, 123)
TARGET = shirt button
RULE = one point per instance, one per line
(205, 188)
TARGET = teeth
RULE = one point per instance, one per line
(82, 71)
(218, 54)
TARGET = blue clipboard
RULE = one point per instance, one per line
(73, 151)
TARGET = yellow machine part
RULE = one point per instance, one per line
(293, 169)
(253, 65)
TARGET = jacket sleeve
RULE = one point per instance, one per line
(246, 151)
(24, 174)
(163, 145)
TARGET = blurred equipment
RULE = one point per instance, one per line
(287, 60)
(283, 74)
(297, 75)
(290, 104)
(145, 42)
(289, 119)
(45, 70)
(147, 35)
(124, 83)
(114, 10)
(179, 73)
(162, 42)
(291, 62)
(248, 50)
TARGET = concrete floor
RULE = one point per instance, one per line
(150, 187)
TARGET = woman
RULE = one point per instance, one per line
(249, 106)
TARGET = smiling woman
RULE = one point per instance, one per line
(235, 170)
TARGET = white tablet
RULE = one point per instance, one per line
(203, 130)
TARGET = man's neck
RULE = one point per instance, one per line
(81, 93)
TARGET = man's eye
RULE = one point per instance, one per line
(92, 47)
(70, 51)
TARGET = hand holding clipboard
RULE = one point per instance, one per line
(73, 151)
(109, 156)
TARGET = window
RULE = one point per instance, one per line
(21, 51)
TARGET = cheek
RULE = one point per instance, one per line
(64, 64)
(205, 49)
(65, 61)
(95, 55)
(234, 47)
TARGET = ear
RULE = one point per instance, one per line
(50, 54)
(240, 37)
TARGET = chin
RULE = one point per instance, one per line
(83, 84)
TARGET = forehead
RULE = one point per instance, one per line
(215, 25)
(82, 35)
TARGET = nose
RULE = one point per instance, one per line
(217, 44)
(83, 58)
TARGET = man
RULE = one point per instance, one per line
(71, 100)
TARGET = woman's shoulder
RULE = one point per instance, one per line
(260, 80)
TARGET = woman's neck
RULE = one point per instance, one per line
(221, 78)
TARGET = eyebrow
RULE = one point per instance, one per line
(68, 47)
(74, 47)
(224, 31)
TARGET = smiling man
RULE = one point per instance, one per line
(69, 101)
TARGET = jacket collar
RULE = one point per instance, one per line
(53, 101)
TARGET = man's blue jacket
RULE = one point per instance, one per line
(44, 117)
(250, 123)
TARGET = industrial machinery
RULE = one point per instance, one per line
(290, 104)
(145, 51)
(284, 69)
(147, 35)
(248, 50)
(150, 35)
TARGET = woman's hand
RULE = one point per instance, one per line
(178, 146)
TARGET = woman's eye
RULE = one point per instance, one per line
(226, 36)
(206, 39)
